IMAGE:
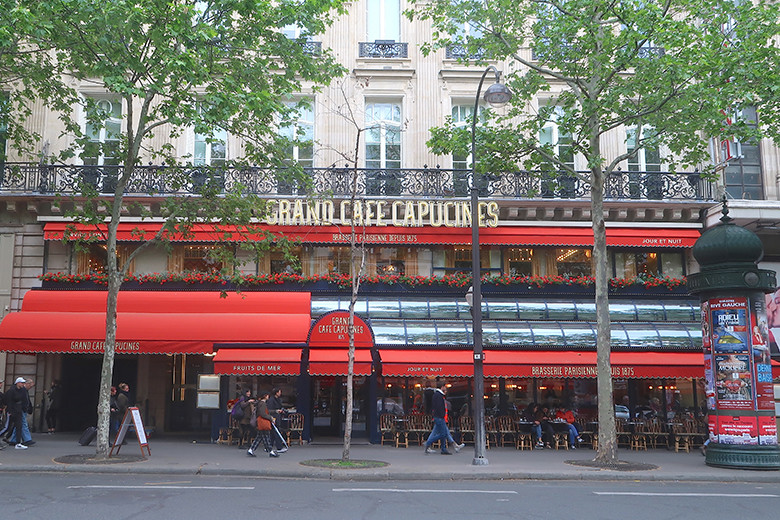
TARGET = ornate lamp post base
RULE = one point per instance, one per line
(743, 457)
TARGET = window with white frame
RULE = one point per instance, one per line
(383, 20)
(383, 148)
(647, 158)
(461, 162)
(299, 134)
(743, 176)
(103, 133)
(210, 150)
(463, 34)
(557, 139)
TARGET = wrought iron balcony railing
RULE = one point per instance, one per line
(34, 178)
(383, 49)
(458, 52)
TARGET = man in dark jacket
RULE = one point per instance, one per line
(439, 411)
(18, 402)
(275, 408)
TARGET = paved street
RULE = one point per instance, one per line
(89, 496)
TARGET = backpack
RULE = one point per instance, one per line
(237, 412)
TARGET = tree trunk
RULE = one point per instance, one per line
(607, 446)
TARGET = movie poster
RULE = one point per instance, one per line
(729, 325)
(733, 382)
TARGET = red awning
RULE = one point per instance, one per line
(258, 361)
(553, 364)
(568, 364)
(423, 363)
(334, 362)
(156, 322)
(554, 236)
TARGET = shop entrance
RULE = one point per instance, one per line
(80, 380)
(329, 403)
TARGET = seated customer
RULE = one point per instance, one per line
(574, 429)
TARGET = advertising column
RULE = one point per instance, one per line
(739, 374)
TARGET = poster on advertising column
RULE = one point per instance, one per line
(772, 301)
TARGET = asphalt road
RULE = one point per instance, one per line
(84, 496)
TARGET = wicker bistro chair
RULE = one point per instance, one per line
(560, 435)
(296, 428)
(689, 435)
(638, 439)
(386, 428)
(491, 431)
(466, 424)
(623, 433)
(506, 431)
(524, 437)
(655, 433)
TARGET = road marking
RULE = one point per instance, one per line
(640, 494)
(385, 490)
(241, 488)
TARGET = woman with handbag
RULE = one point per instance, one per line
(264, 422)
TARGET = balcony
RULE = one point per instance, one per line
(383, 49)
(161, 180)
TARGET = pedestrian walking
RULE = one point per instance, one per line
(275, 409)
(264, 423)
(18, 403)
(440, 431)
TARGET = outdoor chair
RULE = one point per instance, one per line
(386, 429)
(466, 424)
(506, 430)
(296, 428)
(638, 437)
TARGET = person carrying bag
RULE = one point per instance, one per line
(264, 422)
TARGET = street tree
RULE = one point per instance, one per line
(668, 74)
(218, 67)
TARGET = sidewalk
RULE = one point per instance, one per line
(183, 456)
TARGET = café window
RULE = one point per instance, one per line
(520, 261)
(93, 259)
(326, 260)
(278, 262)
(391, 261)
(458, 260)
(573, 262)
(199, 258)
(630, 264)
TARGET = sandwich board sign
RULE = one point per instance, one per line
(132, 417)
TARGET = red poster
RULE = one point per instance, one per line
(767, 430)
(737, 430)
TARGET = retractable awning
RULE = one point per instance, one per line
(528, 364)
(335, 362)
(154, 322)
(505, 235)
(258, 361)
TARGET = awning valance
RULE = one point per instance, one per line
(258, 361)
(552, 364)
(155, 322)
(335, 362)
(553, 236)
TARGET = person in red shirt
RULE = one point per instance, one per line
(574, 430)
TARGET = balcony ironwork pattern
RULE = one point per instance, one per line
(383, 49)
(34, 178)
(459, 52)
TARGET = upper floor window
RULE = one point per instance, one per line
(384, 20)
(383, 135)
(461, 118)
(743, 176)
(210, 149)
(300, 135)
(463, 34)
(648, 156)
(103, 128)
(557, 140)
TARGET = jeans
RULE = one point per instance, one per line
(572, 434)
(25, 432)
(440, 432)
(536, 430)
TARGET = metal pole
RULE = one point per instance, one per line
(476, 309)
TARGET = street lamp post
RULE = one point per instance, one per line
(496, 95)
